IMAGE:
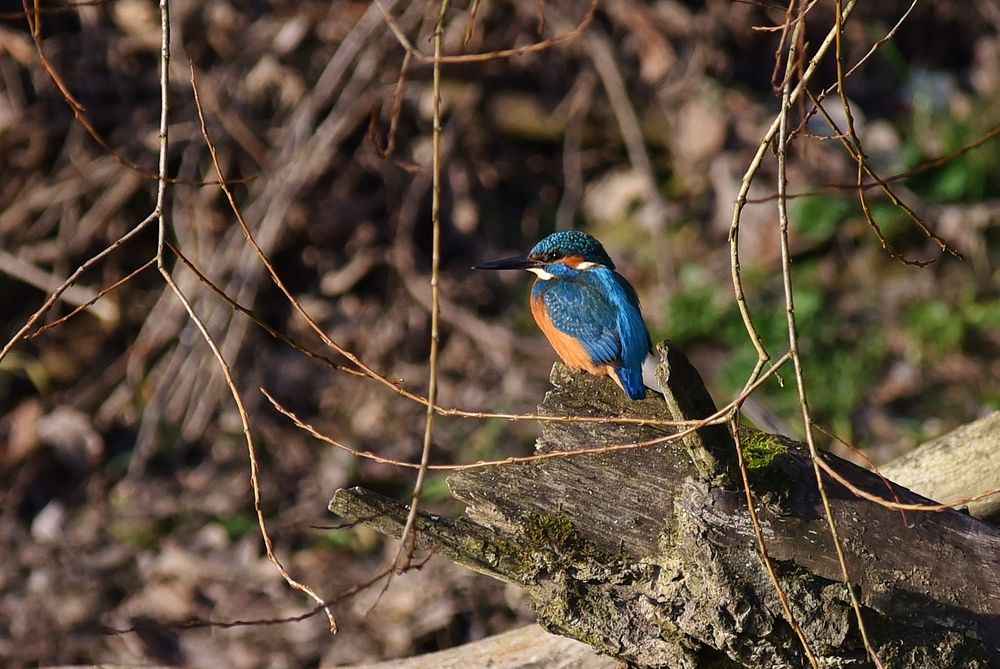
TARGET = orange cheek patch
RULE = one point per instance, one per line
(572, 261)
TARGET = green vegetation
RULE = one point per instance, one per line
(972, 176)
(842, 359)
(238, 524)
(818, 217)
(861, 314)
(937, 328)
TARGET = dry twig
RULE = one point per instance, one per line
(793, 336)
(408, 540)
(543, 45)
(216, 352)
(765, 558)
(720, 417)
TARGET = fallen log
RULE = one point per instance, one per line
(648, 555)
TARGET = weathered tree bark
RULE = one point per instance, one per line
(648, 555)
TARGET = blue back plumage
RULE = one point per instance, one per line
(600, 309)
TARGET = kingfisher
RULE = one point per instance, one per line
(588, 311)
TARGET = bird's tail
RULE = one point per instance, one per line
(632, 382)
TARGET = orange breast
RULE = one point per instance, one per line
(569, 350)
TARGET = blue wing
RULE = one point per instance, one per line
(601, 311)
(584, 313)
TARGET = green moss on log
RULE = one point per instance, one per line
(762, 453)
(552, 544)
(761, 450)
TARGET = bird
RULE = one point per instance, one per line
(589, 313)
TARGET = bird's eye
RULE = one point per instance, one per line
(550, 256)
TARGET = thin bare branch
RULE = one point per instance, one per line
(216, 352)
(852, 144)
(397, 108)
(408, 539)
(78, 296)
(721, 416)
(762, 548)
(57, 293)
(470, 22)
(252, 315)
(741, 198)
(492, 55)
(116, 285)
(880, 42)
(793, 336)
(922, 168)
(33, 16)
(871, 465)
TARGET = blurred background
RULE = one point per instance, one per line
(124, 495)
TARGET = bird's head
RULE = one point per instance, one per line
(559, 254)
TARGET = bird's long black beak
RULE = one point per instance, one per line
(517, 262)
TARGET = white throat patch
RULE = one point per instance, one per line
(542, 274)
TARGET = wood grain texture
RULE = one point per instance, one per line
(529, 646)
(648, 555)
(970, 456)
